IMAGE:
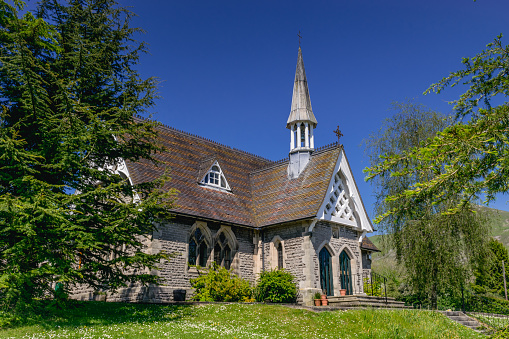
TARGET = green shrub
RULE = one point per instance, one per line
(487, 304)
(373, 287)
(276, 286)
(220, 284)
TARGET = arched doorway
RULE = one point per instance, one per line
(345, 273)
(326, 283)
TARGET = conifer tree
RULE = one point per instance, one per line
(489, 272)
(70, 96)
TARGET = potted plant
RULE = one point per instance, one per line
(323, 298)
(323, 295)
(317, 298)
(342, 292)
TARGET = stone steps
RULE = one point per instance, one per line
(352, 301)
(463, 319)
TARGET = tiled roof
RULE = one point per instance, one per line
(277, 199)
(261, 193)
(189, 157)
(368, 245)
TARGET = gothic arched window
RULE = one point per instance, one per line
(222, 252)
(280, 255)
(198, 249)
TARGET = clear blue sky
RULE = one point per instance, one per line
(227, 67)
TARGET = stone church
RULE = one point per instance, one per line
(250, 214)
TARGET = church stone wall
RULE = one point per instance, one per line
(322, 235)
(291, 236)
(244, 262)
(173, 238)
(170, 237)
(300, 257)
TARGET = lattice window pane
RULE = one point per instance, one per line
(214, 178)
(217, 254)
(227, 257)
(198, 234)
(192, 252)
(203, 254)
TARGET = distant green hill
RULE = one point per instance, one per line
(500, 226)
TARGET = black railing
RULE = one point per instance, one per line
(375, 284)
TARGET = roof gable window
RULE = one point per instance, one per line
(215, 178)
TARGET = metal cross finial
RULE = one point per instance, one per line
(338, 133)
(300, 37)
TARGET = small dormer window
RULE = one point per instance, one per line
(215, 178)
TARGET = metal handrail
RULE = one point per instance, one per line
(375, 283)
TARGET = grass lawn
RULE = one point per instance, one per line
(116, 320)
(495, 321)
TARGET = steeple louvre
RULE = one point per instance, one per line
(301, 110)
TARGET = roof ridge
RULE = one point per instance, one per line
(285, 160)
(269, 166)
(203, 138)
(327, 147)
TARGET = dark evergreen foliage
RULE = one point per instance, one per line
(69, 95)
(489, 272)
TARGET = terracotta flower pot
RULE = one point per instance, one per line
(318, 302)
(324, 296)
(342, 292)
(325, 302)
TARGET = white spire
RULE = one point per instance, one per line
(301, 110)
(301, 122)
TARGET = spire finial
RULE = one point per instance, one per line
(338, 133)
(300, 37)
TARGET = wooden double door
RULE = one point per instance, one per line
(345, 273)
(326, 276)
